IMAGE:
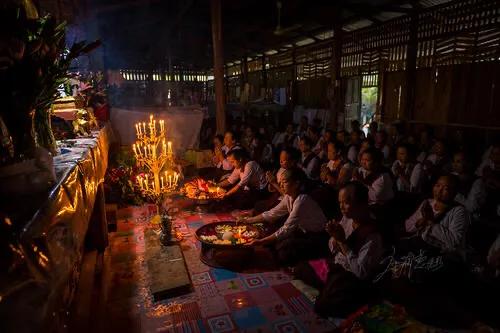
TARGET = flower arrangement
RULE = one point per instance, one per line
(34, 63)
(120, 180)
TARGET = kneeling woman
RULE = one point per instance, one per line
(303, 234)
(356, 245)
(247, 182)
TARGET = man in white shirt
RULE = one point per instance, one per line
(247, 183)
(303, 235)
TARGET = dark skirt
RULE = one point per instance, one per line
(341, 294)
(300, 246)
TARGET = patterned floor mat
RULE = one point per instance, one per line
(222, 300)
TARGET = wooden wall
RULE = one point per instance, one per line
(467, 94)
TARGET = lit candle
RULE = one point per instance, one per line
(154, 126)
(176, 178)
(162, 186)
(170, 146)
(135, 151)
(170, 180)
(139, 180)
(137, 129)
(164, 148)
(166, 177)
(147, 186)
(143, 128)
(145, 152)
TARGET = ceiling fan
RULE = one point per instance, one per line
(279, 31)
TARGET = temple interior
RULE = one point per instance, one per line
(249, 166)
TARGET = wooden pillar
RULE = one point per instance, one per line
(244, 72)
(264, 76)
(220, 112)
(293, 82)
(206, 87)
(243, 81)
(411, 67)
(226, 85)
(337, 98)
(379, 113)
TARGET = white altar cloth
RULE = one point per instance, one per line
(182, 124)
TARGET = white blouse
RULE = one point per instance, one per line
(368, 257)
(251, 176)
(475, 198)
(449, 234)
(311, 167)
(380, 191)
(303, 213)
(416, 177)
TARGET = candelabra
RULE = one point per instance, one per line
(153, 153)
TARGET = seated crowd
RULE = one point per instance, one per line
(375, 215)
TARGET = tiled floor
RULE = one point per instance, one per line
(222, 301)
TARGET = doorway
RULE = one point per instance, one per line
(368, 105)
(369, 96)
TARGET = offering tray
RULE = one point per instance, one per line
(219, 249)
(202, 192)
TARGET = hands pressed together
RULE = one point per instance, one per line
(270, 177)
(335, 230)
(427, 216)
